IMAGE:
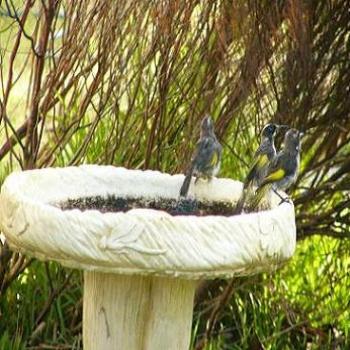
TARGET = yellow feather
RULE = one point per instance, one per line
(214, 159)
(262, 160)
(275, 176)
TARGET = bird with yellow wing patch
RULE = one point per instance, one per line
(283, 169)
(206, 159)
(262, 158)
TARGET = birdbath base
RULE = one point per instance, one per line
(142, 247)
(136, 312)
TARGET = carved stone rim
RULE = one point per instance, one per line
(141, 241)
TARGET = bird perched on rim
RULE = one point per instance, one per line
(262, 158)
(283, 169)
(206, 158)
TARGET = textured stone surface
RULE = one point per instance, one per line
(140, 241)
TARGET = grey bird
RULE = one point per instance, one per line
(262, 158)
(206, 159)
(283, 169)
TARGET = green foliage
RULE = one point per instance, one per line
(303, 305)
(11, 342)
(27, 313)
(158, 69)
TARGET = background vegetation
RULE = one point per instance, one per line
(126, 83)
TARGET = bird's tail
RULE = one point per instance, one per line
(241, 202)
(260, 194)
(186, 184)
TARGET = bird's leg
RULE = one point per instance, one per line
(196, 179)
(283, 200)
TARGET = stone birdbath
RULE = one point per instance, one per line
(141, 263)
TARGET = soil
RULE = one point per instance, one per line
(170, 205)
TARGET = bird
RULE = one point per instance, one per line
(206, 159)
(283, 169)
(262, 158)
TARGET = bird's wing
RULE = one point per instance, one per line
(218, 149)
(274, 176)
(201, 147)
(215, 158)
(276, 172)
(260, 161)
(206, 153)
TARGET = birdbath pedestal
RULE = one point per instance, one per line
(141, 265)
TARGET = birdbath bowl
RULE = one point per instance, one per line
(141, 263)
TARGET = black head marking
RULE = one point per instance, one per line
(269, 131)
